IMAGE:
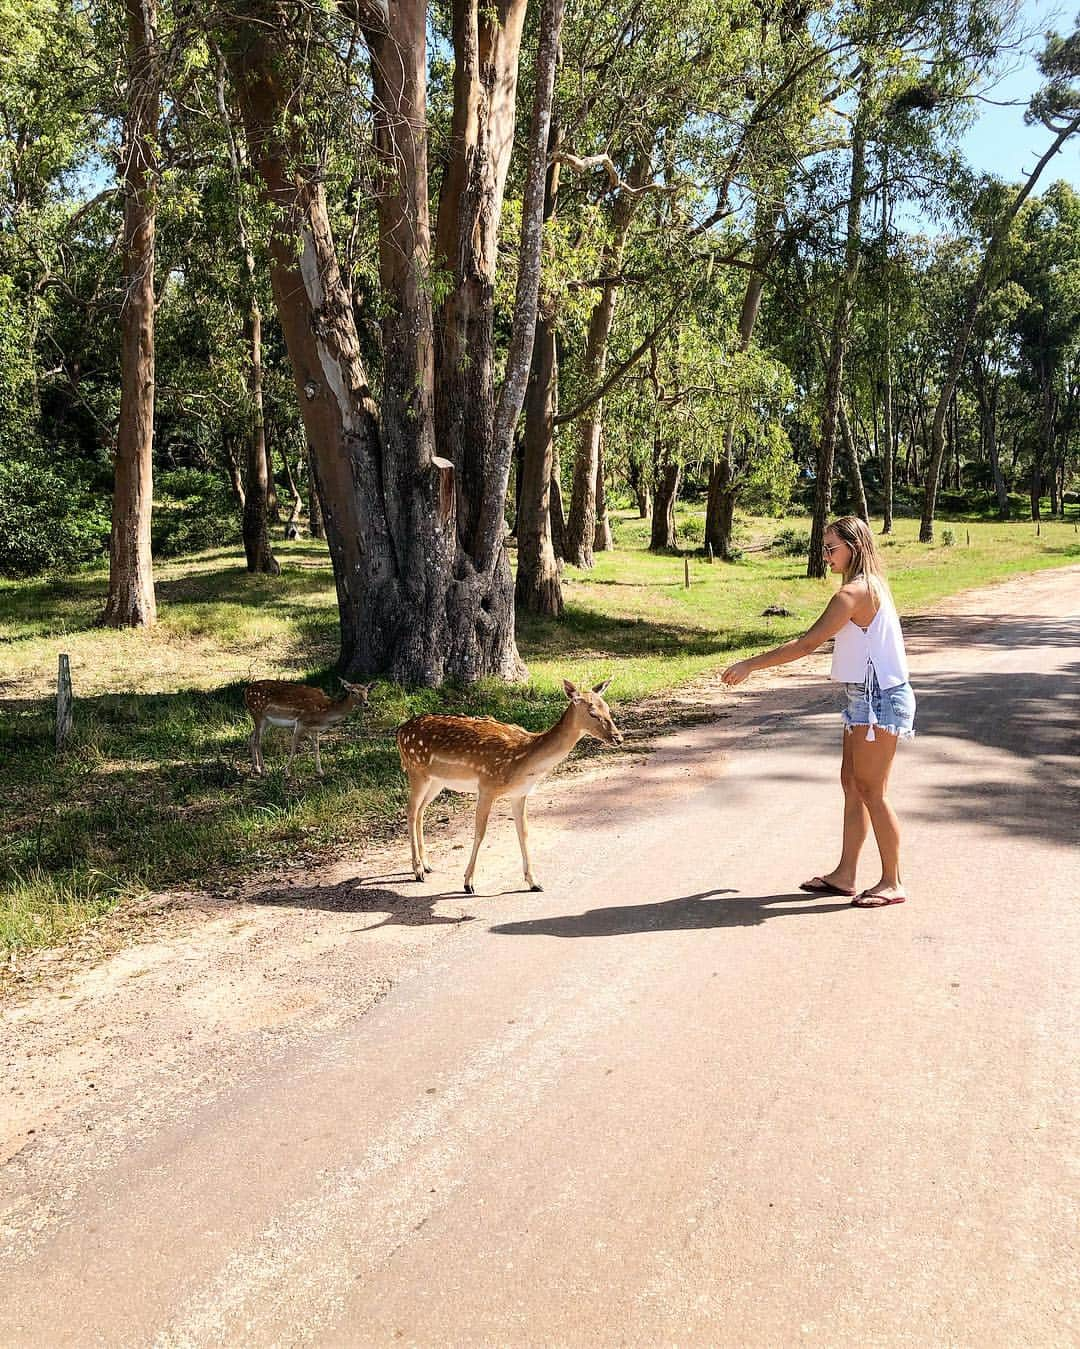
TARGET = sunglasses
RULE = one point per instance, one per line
(829, 548)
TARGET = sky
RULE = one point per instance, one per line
(1000, 142)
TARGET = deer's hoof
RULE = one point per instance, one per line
(427, 870)
(419, 875)
(536, 887)
(469, 889)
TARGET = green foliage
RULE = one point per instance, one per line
(192, 511)
(46, 524)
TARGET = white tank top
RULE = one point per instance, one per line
(880, 648)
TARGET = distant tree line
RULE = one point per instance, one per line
(439, 280)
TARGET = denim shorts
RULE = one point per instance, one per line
(892, 710)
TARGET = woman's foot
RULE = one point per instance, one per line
(828, 885)
(879, 896)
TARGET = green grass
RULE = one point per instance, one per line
(155, 790)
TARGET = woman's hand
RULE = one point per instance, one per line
(735, 674)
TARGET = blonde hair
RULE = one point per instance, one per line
(865, 559)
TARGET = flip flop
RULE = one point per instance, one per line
(824, 887)
(869, 900)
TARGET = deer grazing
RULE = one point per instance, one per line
(304, 710)
(479, 754)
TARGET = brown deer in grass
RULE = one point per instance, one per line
(478, 754)
(300, 708)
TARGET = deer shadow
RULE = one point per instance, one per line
(402, 907)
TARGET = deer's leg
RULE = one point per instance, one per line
(432, 792)
(522, 821)
(297, 735)
(255, 745)
(318, 761)
(417, 790)
(483, 810)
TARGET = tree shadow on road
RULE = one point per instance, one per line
(687, 912)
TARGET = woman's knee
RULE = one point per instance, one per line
(869, 790)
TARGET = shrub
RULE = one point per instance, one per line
(792, 542)
(46, 522)
(193, 510)
(948, 538)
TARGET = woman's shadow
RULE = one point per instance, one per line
(705, 910)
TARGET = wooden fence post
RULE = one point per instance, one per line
(63, 702)
(708, 553)
(686, 572)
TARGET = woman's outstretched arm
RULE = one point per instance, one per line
(837, 612)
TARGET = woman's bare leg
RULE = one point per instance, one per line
(856, 824)
(856, 819)
(871, 761)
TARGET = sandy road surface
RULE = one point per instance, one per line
(669, 1101)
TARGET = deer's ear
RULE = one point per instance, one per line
(571, 691)
(599, 688)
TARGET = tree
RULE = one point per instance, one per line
(131, 601)
(1058, 107)
(416, 536)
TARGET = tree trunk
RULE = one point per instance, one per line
(487, 43)
(232, 463)
(538, 589)
(845, 294)
(851, 453)
(603, 542)
(292, 525)
(131, 602)
(639, 486)
(273, 505)
(315, 309)
(963, 333)
(556, 510)
(316, 529)
(1000, 489)
(417, 539)
(720, 510)
(260, 557)
(723, 482)
(667, 474)
(581, 523)
(888, 455)
(1044, 449)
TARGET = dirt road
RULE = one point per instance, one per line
(654, 1105)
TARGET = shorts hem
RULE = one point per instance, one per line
(901, 732)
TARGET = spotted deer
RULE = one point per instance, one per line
(300, 708)
(479, 754)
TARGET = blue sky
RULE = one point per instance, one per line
(999, 142)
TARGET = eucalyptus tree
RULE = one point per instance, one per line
(1045, 262)
(1057, 107)
(412, 483)
(131, 600)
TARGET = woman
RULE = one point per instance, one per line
(869, 660)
